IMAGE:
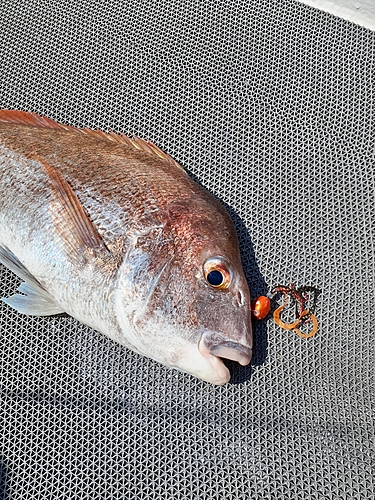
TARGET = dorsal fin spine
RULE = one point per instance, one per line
(33, 120)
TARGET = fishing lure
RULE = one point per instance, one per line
(304, 315)
(261, 307)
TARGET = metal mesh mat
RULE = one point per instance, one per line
(269, 105)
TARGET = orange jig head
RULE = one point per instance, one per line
(261, 307)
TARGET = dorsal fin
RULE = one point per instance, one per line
(34, 120)
(29, 119)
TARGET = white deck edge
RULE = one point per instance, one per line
(360, 12)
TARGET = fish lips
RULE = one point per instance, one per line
(214, 344)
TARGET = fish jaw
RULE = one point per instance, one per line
(215, 344)
(207, 367)
(204, 359)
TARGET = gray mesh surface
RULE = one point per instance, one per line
(269, 105)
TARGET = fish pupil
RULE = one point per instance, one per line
(215, 278)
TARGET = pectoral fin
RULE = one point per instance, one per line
(69, 217)
(36, 301)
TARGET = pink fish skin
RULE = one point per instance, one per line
(112, 231)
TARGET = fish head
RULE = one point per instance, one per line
(193, 298)
(222, 312)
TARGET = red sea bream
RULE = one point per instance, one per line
(112, 231)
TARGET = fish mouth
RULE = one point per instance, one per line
(214, 347)
(233, 351)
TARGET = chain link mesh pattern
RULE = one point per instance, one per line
(270, 106)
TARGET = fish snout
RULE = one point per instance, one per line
(214, 344)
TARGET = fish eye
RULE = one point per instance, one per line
(217, 273)
(215, 278)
